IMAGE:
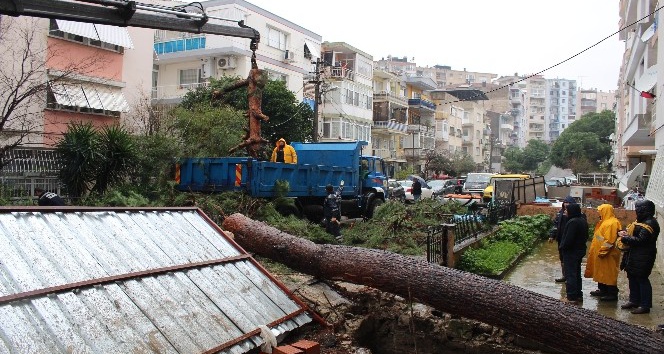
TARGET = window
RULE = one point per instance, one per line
(189, 77)
(276, 38)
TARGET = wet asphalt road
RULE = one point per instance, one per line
(537, 272)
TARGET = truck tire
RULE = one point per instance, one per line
(288, 210)
(371, 208)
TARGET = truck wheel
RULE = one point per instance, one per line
(287, 210)
(372, 207)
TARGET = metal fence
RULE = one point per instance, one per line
(24, 169)
(457, 230)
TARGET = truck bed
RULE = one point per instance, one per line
(257, 178)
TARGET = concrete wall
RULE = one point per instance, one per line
(625, 216)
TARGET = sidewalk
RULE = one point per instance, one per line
(538, 270)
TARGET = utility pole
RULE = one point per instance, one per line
(317, 98)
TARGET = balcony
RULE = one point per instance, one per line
(338, 73)
(637, 132)
(466, 123)
(174, 91)
(179, 45)
(390, 97)
(467, 140)
(385, 154)
(505, 126)
(416, 128)
(391, 127)
(421, 103)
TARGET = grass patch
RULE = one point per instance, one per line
(513, 238)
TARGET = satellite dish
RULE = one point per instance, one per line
(649, 32)
(648, 80)
(628, 180)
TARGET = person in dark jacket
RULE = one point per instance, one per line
(559, 223)
(573, 247)
(416, 190)
(48, 198)
(332, 212)
(639, 251)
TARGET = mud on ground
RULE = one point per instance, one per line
(365, 320)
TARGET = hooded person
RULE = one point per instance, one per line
(557, 231)
(573, 247)
(603, 256)
(283, 152)
(639, 245)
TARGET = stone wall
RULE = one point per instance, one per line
(625, 216)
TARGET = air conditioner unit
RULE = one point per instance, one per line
(225, 63)
(289, 56)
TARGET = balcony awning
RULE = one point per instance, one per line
(314, 48)
(89, 96)
(105, 33)
(468, 94)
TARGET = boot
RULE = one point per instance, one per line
(640, 310)
(629, 305)
(560, 280)
(597, 292)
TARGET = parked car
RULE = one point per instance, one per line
(395, 191)
(443, 186)
(427, 192)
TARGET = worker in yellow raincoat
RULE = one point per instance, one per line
(604, 257)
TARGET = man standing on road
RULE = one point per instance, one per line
(573, 248)
(603, 256)
(639, 244)
(416, 190)
(557, 231)
(332, 213)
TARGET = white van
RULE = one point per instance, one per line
(477, 182)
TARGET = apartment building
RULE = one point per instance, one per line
(445, 76)
(421, 121)
(347, 108)
(560, 107)
(396, 65)
(96, 74)
(185, 61)
(595, 101)
(639, 134)
(535, 123)
(390, 119)
(472, 130)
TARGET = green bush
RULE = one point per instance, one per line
(491, 259)
(513, 238)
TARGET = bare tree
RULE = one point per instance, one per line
(29, 65)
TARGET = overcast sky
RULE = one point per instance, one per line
(495, 36)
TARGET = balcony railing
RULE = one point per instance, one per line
(415, 128)
(390, 96)
(179, 45)
(391, 126)
(418, 102)
(335, 72)
(175, 91)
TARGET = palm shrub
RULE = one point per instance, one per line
(80, 153)
(117, 154)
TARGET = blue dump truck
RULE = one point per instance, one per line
(319, 164)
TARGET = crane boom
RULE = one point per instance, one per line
(124, 13)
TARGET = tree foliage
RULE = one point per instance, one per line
(461, 164)
(527, 159)
(94, 160)
(289, 118)
(585, 145)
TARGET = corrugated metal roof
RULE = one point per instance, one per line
(132, 280)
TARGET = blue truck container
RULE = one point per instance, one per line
(319, 164)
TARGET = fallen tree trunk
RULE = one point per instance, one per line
(549, 321)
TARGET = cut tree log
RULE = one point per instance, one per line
(546, 320)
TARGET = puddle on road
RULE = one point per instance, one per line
(537, 272)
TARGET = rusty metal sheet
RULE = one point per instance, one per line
(187, 310)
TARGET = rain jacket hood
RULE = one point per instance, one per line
(280, 140)
(573, 210)
(645, 209)
(569, 199)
